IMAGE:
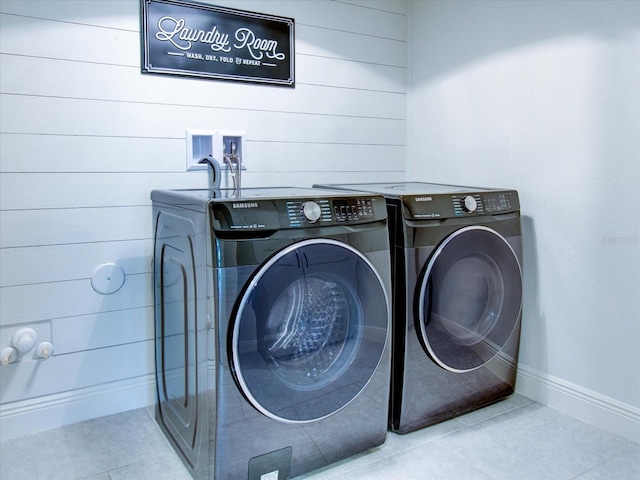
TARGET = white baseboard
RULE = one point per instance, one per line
(35, 415)
(593, 408)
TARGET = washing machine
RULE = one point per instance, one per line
(272, 320)
(457, 298)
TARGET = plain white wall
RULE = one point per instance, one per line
(85, 137)
(544, 97)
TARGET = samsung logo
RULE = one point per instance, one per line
(424, 199)
(246, 205)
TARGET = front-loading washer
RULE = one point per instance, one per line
(272, 318)
(457, 298)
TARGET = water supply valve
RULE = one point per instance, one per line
(8, 355)
(24, 339)
(44, 350)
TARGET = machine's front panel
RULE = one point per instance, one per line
(460, 205)
(265, 215)
(281, 326)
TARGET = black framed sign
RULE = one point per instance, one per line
(199, 40)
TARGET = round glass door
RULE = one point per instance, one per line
(470, 298)
(309, 331)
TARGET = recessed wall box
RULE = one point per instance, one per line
(200, 143)
(221, 144)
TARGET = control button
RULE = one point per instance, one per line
(311, 211)
(469, 204)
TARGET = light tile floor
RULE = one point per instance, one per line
(513, 439)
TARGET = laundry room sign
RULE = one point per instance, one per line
(199, 40)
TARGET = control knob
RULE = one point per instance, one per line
(311, 211)
(469, 204)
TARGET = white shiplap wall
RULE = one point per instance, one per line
(84, 137)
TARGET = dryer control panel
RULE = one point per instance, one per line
(461, 204)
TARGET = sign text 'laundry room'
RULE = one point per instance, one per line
(185, 38)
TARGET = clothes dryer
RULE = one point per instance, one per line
(272, 315)
(457, 298)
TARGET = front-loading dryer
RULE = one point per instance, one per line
(272, 315)
(457, 298)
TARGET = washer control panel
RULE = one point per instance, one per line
(330, 211)
(311, 211)
(264, 211)
(468, 203)
(500, 201)
(353, 209)
(305, 212)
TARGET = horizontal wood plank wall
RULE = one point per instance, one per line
(84, 138)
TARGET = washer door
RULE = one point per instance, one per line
(309, 331)
(470, 299)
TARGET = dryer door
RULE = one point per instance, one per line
(309, 331)
(470, 299)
